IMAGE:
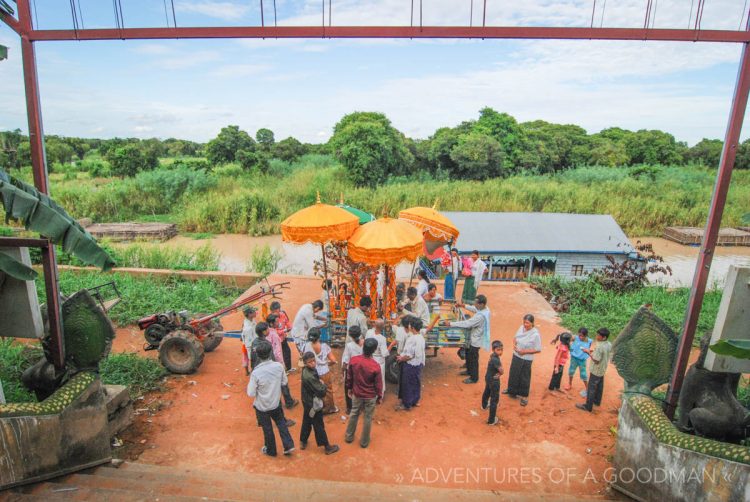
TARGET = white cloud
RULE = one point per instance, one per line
(227, 11)
(240, 70)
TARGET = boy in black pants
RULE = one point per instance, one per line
(491, 395)
(599, 360)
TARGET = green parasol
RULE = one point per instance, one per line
(364, 216)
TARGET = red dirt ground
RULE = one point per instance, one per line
(206, 420)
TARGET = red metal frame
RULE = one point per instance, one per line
(29, 35)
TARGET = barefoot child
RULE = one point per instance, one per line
(491, 395)
(561, 357)
(599, 360)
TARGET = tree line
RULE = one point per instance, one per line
(373, 151)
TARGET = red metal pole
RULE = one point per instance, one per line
(716, 210)
(456, 32)
(39, 168)
(11, 22)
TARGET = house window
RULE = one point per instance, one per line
(577, 270)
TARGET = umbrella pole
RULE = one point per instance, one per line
(384, 304)
(328, 290)
(413, 266)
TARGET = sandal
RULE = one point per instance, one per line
(524, 401)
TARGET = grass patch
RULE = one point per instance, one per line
(204, 258)
(139, 374)
(586, 303)
(14, 359)
(155, 218)
(199, 236)
(143, 296)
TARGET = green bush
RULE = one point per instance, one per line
(585, 303)
(139, 374)
(148, 256)
(14, 359)
(173, 184)
(239, 212)
(264, 260)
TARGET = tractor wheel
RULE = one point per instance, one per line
(180, 352)
(154, 334)
(213, 339)
(391, 369)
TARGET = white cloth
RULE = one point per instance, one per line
(265, 385)
(248, 333)
(477, 270)
(355, 317)
(382, 351)
(400, 335)
(455, 266)
(526, 340)
(321, 359)
(414, 347)
(351, 349)
(419, 308)
(303, 321)
(422, 287)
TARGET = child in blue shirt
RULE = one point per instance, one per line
(578, 358)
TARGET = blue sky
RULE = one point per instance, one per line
(191, 88)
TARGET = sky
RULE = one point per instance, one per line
(190, 89)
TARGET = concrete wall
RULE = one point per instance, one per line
(649, 470)
(19, 304)
(590, 262)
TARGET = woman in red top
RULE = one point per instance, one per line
(561, 357)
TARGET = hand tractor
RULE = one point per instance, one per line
(183, 339)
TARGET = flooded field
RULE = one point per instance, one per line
(235, 250)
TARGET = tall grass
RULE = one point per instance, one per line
(643, 199)
(148, 256)
(264, 260)
(143, 296)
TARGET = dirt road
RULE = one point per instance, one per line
(549, 446)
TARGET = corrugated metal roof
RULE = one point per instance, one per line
(539, 233)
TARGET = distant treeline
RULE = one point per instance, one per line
(373, 151)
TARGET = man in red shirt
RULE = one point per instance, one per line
(364, 384)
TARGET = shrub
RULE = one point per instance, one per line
(172, 184)
(264, 260)
(239, 212)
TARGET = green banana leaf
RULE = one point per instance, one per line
(15, 268)
(735, 348)
(41, 214)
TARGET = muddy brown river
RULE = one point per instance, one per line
(235, 250)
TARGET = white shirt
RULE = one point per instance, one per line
(419, 308)
(400, 335)
(248, 333)
(477, 270)
(382, 351)
(324, 299)
(265, 385)
(422, 287)
(526, 340)
(303, 321)
(414, 347)
(355, 317)
(321, 360)
(455, 266)
(350, 350)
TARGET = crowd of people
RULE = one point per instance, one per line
(267, 358)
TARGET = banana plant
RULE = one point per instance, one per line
(40, 213)
(735, 348)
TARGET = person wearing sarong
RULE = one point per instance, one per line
(353, 348)
(417, 306)
(413, 357)
(358, 316)
(323, 358)
(526, 343)
(247, 336)
(400, 336)
(451, 279)
(382, 351)
(283, 328)
(472, 282)
(303, 322)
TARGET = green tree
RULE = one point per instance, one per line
(742, 160)
(552, 147)
(126, 160)
(224, 147)
(653, 147)
(477, 157)
(439, 149)
(9, 143)
(289, 149)
(370, 148)
(265, 139)
(605, 152)
(706, 152)
(506, 131)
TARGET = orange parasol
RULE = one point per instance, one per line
(430, 221)
(319, 223)
(385, 241)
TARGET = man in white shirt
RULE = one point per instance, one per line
(247, 336)
(419, 307)
(357, 316)
(413, 357)
(303, 321)
(478, 269)
(265, 386)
